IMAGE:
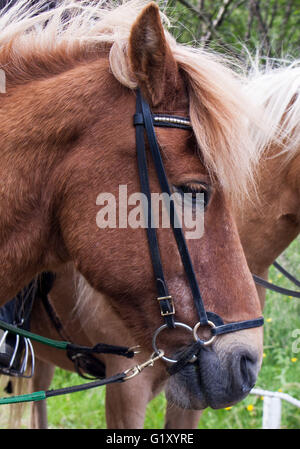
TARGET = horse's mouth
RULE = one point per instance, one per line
(214, 380)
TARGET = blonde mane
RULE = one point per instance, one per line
(36, 45)
(277, 91)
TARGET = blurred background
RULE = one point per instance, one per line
(270, 26)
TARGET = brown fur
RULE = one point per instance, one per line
(69, 137)
(43, 228)
(266, 229)
(147, 50)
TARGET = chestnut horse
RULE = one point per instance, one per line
(67, 135)
(266, 229)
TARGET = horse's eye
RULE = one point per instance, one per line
(194, 188)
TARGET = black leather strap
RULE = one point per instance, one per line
(162, 290)
(144, 120)
(83, 387)
(99, 348)
(286, 273)
(185, 357)
(143, 106)
(275, 288)
(237, 326)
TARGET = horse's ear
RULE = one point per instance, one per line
(150, 56)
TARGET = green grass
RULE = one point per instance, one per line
(280, 371)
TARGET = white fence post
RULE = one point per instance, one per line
(272, 406)
(271, 413)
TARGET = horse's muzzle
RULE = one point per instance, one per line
(215, 379)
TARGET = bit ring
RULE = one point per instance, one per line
(158, 331)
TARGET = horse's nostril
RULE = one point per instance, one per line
(248, 370)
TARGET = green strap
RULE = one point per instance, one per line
(41, 395)
(47, 341)
(36, 396)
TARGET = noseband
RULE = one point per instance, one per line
(145, 121)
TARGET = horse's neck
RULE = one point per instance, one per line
(23, 222)
(37, 130)
(83, 311)
(268, 227)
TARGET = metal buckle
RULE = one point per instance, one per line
(170, 299)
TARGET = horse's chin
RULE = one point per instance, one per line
(179, 393)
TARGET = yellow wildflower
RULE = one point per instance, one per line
(294, 359)
(250, 407)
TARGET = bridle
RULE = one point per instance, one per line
(145, 122)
